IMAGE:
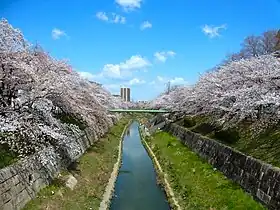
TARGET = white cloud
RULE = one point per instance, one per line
(145, 25)
(115, 87)
(129, 5)
(162, 56)
(212, 31)
(118, 18)
(135, 62)
(57, 33)
(102, 16)
(111, 17)
(171, 53)
(112, 87)
(136, 81)
(112, 70)
(177, 81)
(160, 81)
(124, 69)
(87, 75)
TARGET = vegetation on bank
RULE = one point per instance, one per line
(264, 146)
(195, 183)
(239, 97)
(93, 172)
(161, 179)
(43, 102)
(7, 157)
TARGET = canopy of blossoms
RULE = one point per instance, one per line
(42, 101)
(239, 90)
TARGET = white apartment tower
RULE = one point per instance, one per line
(125, 94)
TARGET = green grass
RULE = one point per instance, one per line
(196, 184)
(69, 119)
(6, 156)
(95, 168)
(265, 146)
(139, 110)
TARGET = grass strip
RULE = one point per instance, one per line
(95, 168)
(195, 183)
(109, 192)
(161, 176)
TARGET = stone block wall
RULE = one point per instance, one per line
(20, 182)
(259, 179)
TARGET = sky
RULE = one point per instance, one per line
(141, 44)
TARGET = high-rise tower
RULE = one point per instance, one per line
(125, 94)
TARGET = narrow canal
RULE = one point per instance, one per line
(136, 186)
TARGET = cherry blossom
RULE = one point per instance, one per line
(43, 102)
(239, 90)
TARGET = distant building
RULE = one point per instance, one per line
(125, 94)
(142, 102)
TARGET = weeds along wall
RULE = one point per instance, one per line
(259, 179)
(20, 182)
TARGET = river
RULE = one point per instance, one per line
(136, 187)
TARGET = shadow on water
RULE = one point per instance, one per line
(136, 186)
(125, 172)
(127, 132)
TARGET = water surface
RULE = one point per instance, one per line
(136, 186)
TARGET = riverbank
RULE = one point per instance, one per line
(109, 191)
(195, 183)
(93, 172)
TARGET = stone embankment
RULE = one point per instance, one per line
(259, 179)
(20, 182)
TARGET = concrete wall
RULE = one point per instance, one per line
(261, 180)
(19, 183)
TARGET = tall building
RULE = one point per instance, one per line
(125, 94)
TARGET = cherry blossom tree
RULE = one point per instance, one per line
(43, 102)
(253, 46)
(240, 90)
(269, 41)
(12, 40)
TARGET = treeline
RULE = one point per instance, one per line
(253, 46)
(244, 87)
(43, 102)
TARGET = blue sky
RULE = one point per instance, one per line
(141, 43)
